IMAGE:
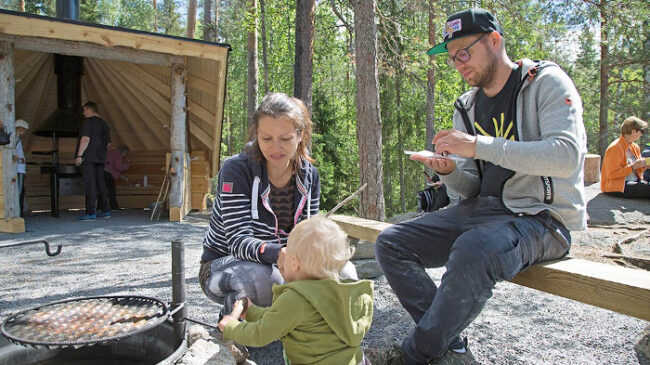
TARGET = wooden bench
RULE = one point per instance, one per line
(619, 289)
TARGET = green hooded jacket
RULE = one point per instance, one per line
(318, 321)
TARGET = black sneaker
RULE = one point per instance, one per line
(458, 345)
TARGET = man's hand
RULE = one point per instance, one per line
(455, 142)
(77, 161)
(442, 166)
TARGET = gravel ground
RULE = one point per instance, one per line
(129, 254)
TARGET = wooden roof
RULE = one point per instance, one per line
(128, 74)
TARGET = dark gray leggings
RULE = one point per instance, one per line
(227, 279)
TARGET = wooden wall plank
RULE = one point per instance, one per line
(139, 121)
(95, 81)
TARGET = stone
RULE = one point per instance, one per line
(367, 268)
(642, 347)
(364, 250)
(206, 352)
(195, 333)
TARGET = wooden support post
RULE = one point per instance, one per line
(178, 142)
(9, 207)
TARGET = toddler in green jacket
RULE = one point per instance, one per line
(319, 318)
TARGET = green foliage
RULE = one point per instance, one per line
(566, 32)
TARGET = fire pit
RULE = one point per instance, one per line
(123, 330)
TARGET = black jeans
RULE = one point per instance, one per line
(480, 243)
(110, 186)
(634, 190)
(93, 177)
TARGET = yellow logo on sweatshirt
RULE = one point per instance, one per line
(498, 129)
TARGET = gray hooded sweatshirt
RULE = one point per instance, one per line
(548, 156)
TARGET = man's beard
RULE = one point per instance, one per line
(485, 76)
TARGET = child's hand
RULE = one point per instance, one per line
(224, 321)
(281, 255)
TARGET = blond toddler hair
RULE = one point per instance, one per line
(320, 246)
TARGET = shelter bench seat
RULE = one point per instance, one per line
(619, 289)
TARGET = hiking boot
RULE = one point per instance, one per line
(87, 217)
(104, 215)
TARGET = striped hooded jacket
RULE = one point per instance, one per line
(242, 223)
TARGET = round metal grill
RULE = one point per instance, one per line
(84, 321)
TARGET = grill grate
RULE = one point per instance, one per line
(84, 321)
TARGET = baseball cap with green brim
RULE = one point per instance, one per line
(465, 23)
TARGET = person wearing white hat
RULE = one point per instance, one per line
(21, 128)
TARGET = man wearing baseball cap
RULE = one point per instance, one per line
(519, 144)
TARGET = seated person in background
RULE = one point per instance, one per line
(319, 318)
(114, 166)
(623, 166)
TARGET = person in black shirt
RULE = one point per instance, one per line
(91, 155)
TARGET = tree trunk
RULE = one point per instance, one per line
(207, 21)
(191, 18)
(368, 111)
(646, 74)
(430, 126)
(155, 13)
(216, 19)
(252, 60)
(400, 146)
(178, 142)
(604, 80)
(8, 176)
(265, 62)
(304, 67)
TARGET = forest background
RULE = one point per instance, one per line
(603, 45)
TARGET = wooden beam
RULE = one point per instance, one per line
(8, 174)
(178, 141)
(363, 229)
(84, 49)
(218, 117)
(50, 28)
(620, 289)
(12, 225)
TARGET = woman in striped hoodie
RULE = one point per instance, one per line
(262, 194)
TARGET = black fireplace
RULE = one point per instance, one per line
(66, 120)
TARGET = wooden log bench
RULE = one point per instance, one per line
(619, 289)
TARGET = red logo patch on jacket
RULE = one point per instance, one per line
(226, 187)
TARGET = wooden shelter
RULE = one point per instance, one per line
(163, 96)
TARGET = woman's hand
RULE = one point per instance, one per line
(638, 163)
